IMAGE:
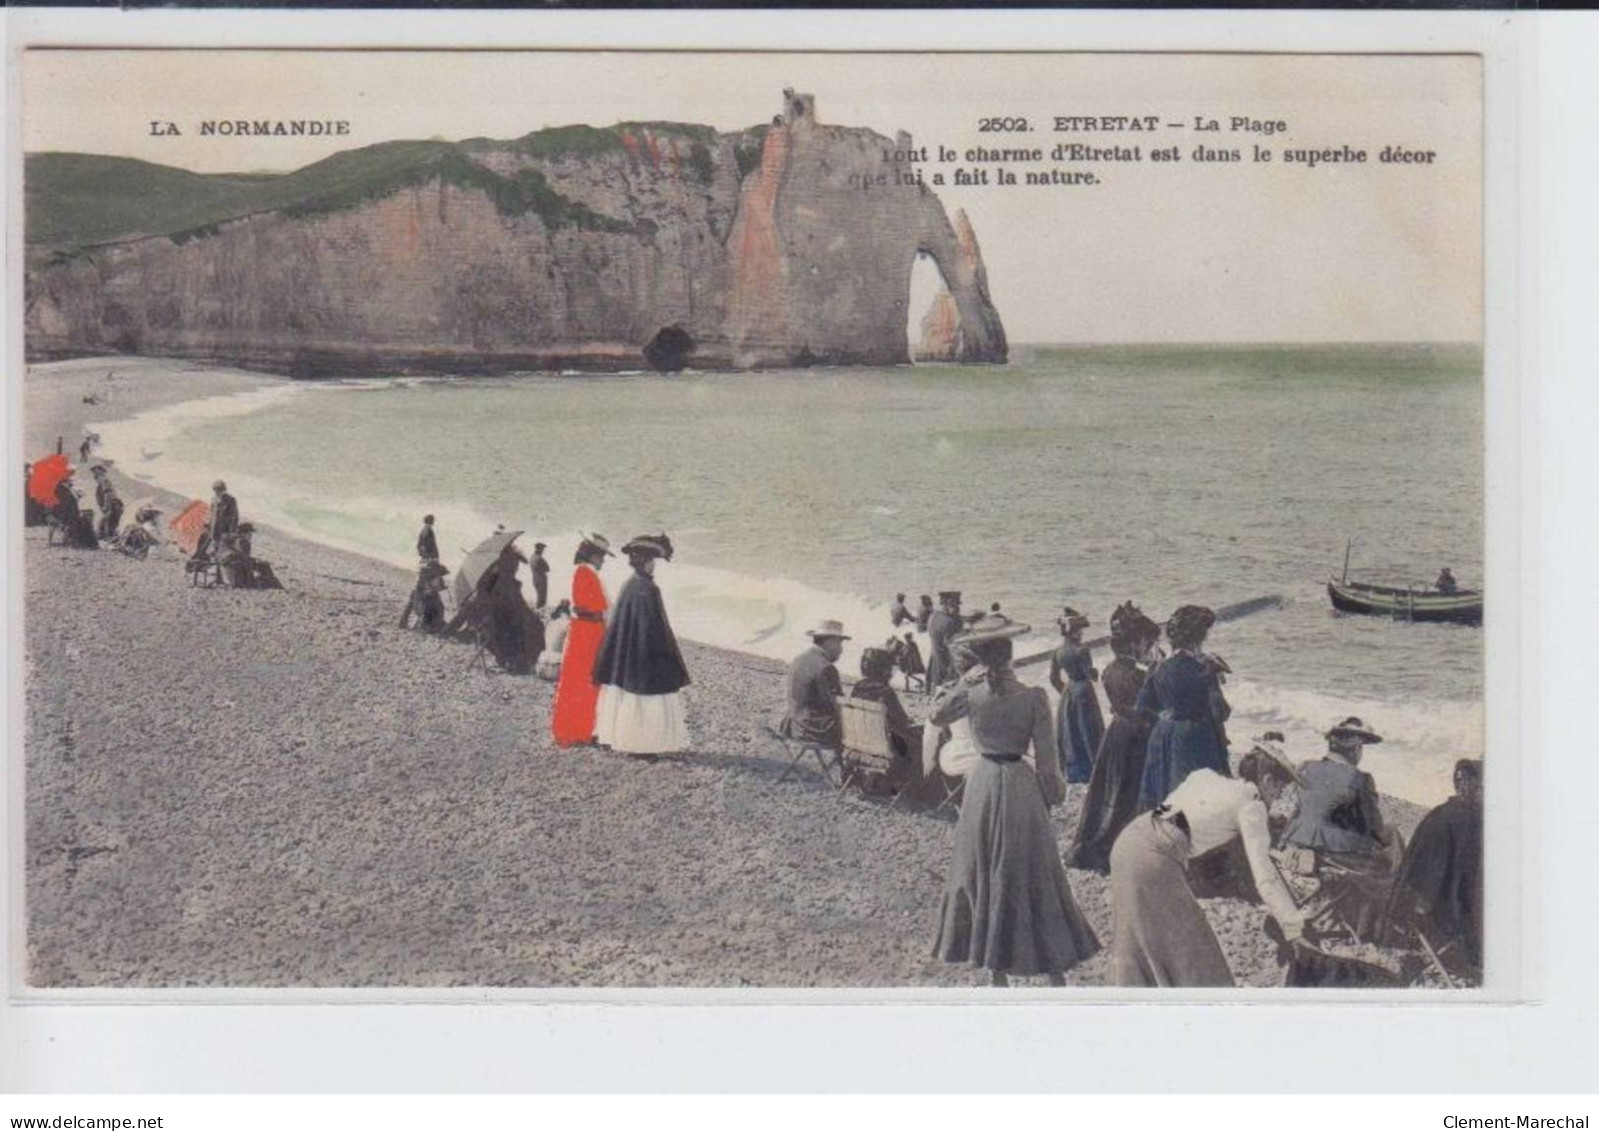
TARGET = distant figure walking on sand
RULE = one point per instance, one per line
(640, 669)
(814, 687)
(1112, 798)
(427, 544)
(908, 658)
(1184, 695)
(942, 625)
(1162, 937)
(898, 614)
(576, 696)
(1080, 725)
(108, 502)
(924, 613)
(224, 513)
(540, 569)
(1007, 904)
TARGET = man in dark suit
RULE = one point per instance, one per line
(427, 544)
(541, 576)
(224, 513)
(814, 688)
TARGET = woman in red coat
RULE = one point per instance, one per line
(576, 696)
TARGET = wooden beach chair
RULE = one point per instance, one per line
(827, 759)
(868, 748)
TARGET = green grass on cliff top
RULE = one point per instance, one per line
(76, 200)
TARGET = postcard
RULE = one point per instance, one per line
(717, 519)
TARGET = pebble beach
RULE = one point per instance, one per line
(285, 789)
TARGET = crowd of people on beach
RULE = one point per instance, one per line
(1167, 813)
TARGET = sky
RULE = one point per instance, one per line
(1157, 252)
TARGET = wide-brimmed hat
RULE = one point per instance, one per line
(826, 628)
(949, 594)
(538, 546)
(1128, 623)
(657, 544)
(435, 568)
(1271, 745)
(600, 542)
(246, 528)
(990, 626)
(1353, 727)
(98, 469)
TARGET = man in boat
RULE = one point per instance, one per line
(1437, 893)
(1340, 825)
(1446, 583)
(814, 688)
(940, 627)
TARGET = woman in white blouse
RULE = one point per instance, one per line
(1161, 937)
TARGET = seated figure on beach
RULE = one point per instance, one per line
(1008, 907)
(877, 668)
(1340, 824)
(898, 614)
(235, 558)
(426, 602)
(1437, 891)
(1183, 698)
(1162, 937)
(814, 687)
(558, 625)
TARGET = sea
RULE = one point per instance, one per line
(1081, 476)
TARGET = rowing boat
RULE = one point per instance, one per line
(1461, 607)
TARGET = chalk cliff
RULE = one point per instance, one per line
(652, 243)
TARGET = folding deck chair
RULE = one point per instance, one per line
(867, 746)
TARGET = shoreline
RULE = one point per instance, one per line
(206, 807)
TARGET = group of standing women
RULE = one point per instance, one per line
(1159, 794)
(622, 672)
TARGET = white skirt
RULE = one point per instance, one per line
(640, 724)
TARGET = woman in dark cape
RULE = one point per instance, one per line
(1183, 693)
(1112, 799)
(1438, 891)
(639, 669)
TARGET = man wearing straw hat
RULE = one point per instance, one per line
(814, 688)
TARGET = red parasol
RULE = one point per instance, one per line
(187, 527)
(47, 475)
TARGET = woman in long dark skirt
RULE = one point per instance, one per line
(1183, 693)
(1112, 799)
(1080, 726)
(1007, 906)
